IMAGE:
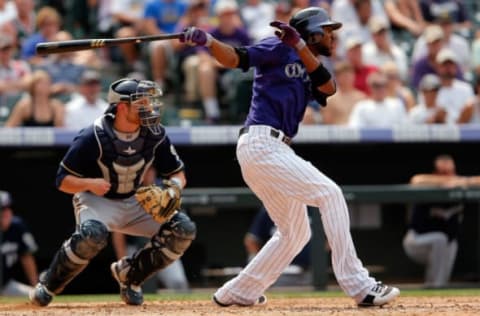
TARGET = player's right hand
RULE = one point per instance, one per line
(99, 186)
(195, 37)
(288, 35)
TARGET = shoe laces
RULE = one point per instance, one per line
(378, 288)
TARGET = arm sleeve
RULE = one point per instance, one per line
(168, 161)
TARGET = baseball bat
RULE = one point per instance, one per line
(45, 48)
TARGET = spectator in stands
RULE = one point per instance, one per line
(12, 71)
(128, 19)
(456, 10)
(354, 56)
(257, 15)
(476, 102)
(260, 231)
(161, 16)
(8, 11)
(405, 15)
(434, 228)
(37, 108)
(378, 110)
(17, 247)
(25, 21)
(395, 85)
(475, 53)
(355, 15)
(86, 105)
(427, 110)
(340, 105)
(382, 49)
(63, 69)
(455, 42)
(283, 11)
(48, 23)
(173, 276)
(434, 39)
(455, 96)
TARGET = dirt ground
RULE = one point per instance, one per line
(405, 306)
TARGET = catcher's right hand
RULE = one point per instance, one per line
(160, 203)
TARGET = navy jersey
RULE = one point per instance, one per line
(263, 229)
(96, 152)
(281, 86)
(16, 241)
(437, 217)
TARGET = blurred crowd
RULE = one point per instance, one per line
(395, 61)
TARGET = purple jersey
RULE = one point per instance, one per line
(281, 87)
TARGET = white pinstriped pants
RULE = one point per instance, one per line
(286, 184)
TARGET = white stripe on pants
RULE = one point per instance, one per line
(286, 183)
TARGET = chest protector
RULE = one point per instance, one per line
(123, 162)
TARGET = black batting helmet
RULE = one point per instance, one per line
(310, 21)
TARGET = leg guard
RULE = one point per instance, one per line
(74, 255)
(173, 238)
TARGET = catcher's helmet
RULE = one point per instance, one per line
(144, 94)
(310, 21)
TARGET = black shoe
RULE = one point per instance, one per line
(130, 294)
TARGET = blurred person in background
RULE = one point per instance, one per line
(382, 49)
(475, 53)
(17, 247)
(433, 10)
(340, 105)
(405, 15)
(455, 96)
(25, 21)
(395, 85)
(355, 15)
(434, 228)
(162, 16)
(8, 11)
(128, 22)
(87, 104)
(48, 23)
(378, 110)
(256, 15)
(457, 43)
(427, 110)
(37, 108)
(12, 71)
(354, 56)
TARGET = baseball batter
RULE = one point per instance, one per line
(287, 75)
(103, 168)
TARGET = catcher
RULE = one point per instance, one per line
(103, 169)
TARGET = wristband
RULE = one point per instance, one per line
(300, 44)
(176, 181)
(209, 41)
(320, 76)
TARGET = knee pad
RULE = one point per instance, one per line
(88, 241)
(175, 236)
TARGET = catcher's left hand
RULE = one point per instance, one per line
(160, 203)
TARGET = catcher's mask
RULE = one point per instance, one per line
(143, 95)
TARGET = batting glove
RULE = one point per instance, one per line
(195, 37)
(288, 35)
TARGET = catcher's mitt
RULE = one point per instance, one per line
(158, 202)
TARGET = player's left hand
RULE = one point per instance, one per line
(162, 204)
(288, 35)
(195, 37)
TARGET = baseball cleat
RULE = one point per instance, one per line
(379, 295)
(40, 295)
(130, 294)
(262, 300)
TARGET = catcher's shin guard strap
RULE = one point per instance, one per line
(74, 255)
(169, 244)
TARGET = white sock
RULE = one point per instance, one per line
(211, 108)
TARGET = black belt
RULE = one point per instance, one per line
(273, 132)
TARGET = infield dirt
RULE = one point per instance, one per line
(404, 306)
